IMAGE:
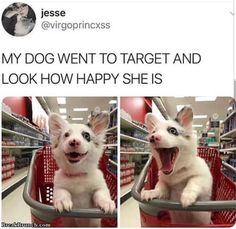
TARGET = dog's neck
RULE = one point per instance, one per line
(79, 174)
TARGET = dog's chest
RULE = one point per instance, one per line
(75, 184)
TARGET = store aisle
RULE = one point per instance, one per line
(14, 208)
(129, 214)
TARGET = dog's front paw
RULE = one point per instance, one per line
(152, 194)
(61, 204)
(188, 198)
(107, 205)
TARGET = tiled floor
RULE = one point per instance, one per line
(14, 208)
(129, 214)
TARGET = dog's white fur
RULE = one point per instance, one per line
(80, 184)
(23, 25)
(191, 179)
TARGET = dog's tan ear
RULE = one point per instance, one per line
(98, 122)
(151, 122)
(56, 127)
(185, 117)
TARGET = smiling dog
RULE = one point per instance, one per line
(79, 183)
(183, 176)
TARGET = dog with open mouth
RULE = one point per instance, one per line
(78, 183)
(183, 176)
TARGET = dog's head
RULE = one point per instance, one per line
(77, 147)
(171, 141)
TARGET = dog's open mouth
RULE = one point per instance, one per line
(168, 157)
(74, 157)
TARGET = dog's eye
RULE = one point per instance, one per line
(86, 135)
(67, 134)
(173, 131)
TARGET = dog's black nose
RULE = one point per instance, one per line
(74, 142)
(152, 139)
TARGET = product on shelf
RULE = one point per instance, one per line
(111, 139)
(140, 124)
(127, 172)
(17, 140)
(230, 122)
(22, 160)
(113, 117)
(134, 147)
(8, 165)
(135, 133)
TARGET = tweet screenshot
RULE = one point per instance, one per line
(118, 113)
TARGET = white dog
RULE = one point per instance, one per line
(78, 183)
(183, 176)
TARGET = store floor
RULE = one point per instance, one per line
(14, 208)
(129, 214)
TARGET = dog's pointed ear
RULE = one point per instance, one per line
(56, 127)
(99, 122)
(151, 122)
(185, 117)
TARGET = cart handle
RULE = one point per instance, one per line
(50, 210)
(173, 205)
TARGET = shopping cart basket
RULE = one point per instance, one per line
(223, 205)
(38, 192)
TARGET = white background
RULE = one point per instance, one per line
(205, 27)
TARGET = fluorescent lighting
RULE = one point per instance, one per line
(179, 107)
(200, 116)
(113, 101)
(80, 109)
(198, 125)
(62, 110)
(64, 116)
(77, 119)
(61, 100)
(202, 99)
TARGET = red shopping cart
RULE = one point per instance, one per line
(38, 192)
(223, 205)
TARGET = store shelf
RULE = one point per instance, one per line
(228, 149)
(125, 191)
(7, 131)
(139, 153)
(130, 125)
(230, 134)
(126, 188)
(21, 147)
(213, 144)
(112, 129)
(129, 138)
(9, 117)
(15, 181)
(113, 162)
(232, 113)
(110, 145)
(113, 111)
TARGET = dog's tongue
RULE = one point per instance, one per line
(166, 159)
